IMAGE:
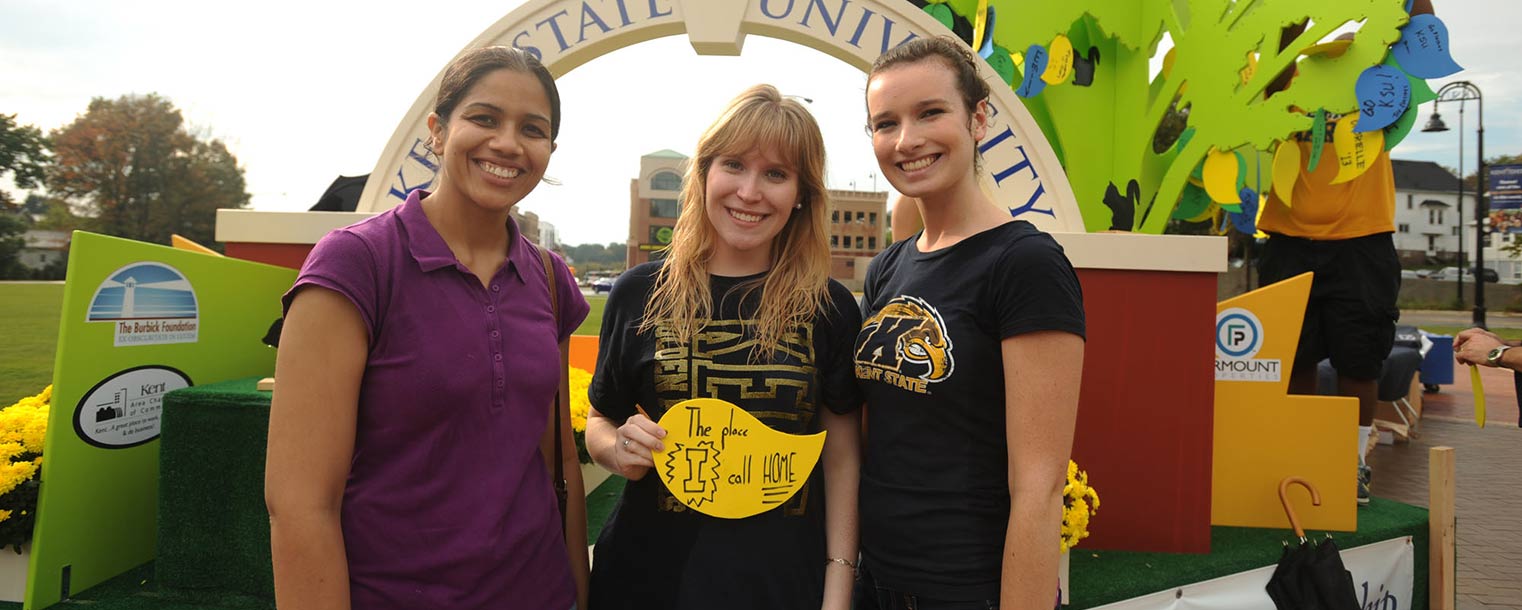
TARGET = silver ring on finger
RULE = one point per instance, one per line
(626, 442)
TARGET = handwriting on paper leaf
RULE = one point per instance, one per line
(1355, 151)
(1383, 93)
(721, 461)
(1035, 65)
(1423, 49)
(1059, 64)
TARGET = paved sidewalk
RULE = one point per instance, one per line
(1489, 502)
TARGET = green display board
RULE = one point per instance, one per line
(138, 321)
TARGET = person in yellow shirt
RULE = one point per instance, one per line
(1344, 234)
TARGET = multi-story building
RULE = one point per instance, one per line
(1429, 220)
(654, 204)
(858, 231)
(858, 219)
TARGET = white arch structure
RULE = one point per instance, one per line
(1022, 171)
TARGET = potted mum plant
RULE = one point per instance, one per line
(22, 427)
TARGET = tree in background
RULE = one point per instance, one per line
(12, 227)
(23, 152)
(132, 164)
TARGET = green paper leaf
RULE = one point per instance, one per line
(1002, 64)
(1402, 126)
(941, 13)
(1192, 203)
(1234, 208)
(1318, 140)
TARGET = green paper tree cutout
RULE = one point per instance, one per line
(1104, 132)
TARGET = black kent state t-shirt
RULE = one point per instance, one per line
(654, 552)
(934, 497)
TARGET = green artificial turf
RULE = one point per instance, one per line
(31, 314)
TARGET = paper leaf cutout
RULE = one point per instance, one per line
(1059, 66)
(1423, 49)
(1356, 151)
(941, 13)
(1318, 140)
(1286, 171)
(1035, 64)
(1002, 63)
(1384, 93)
(721, 461)
(1396, 132)
(1194, 203)
(1245, 222)
(1222, 173)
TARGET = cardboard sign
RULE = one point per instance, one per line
(721, 461)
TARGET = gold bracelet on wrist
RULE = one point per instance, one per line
(845, 562)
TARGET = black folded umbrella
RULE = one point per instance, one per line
(1309, 576)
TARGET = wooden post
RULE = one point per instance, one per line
(1441, 528)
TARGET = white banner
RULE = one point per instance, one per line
(1382, 578)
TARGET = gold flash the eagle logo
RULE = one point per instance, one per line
(905, 344)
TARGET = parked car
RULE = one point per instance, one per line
(602, 284)
(1450, 274)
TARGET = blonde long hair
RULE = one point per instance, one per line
(797, 285)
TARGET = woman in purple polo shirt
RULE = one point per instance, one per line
(742, 309)
(410, 430)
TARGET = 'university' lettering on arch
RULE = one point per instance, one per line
(1022, 171)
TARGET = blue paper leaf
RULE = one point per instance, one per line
(1423, 49)
(988, 36)
(1246, 221)
(1035, 64)
(1383, 93)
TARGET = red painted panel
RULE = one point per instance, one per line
(284, 255)
(1146, 407)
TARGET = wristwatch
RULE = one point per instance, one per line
(1494, 357)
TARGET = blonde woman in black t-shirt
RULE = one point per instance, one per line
(741, 309)
(970, 357)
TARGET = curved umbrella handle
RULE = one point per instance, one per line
(1289, 510)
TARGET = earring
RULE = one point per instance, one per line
(798, 206)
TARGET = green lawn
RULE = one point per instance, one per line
(30, 312)
(593, 324)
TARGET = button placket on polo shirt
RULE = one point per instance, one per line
(494, 345)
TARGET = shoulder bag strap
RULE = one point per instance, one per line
(561, 387)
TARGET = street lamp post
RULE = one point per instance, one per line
(1463, 91)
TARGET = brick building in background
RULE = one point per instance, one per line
(857, 220)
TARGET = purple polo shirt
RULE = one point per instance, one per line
(448, 504)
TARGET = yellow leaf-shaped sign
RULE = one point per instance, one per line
(1355, 151)
(1286, 171)
(721, 461)
(1478, 390)
(1059, 66)
(1221, 171)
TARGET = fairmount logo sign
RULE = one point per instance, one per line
(1023, 172)
(1238, 337)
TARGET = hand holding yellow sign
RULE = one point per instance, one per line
(721, 461)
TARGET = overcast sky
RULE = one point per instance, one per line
(303, 92)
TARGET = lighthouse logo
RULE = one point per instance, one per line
(148, 304)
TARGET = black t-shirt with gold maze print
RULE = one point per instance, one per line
(656, 553)
(934, 501)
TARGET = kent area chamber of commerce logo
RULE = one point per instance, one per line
(1238, 337)
(149, 304)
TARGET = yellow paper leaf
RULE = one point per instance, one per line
(1479, 395)
(1286, 171)
(721, 461)
(1355, 151)
(1059, 63)
(1257, 221)
(1221, 176)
